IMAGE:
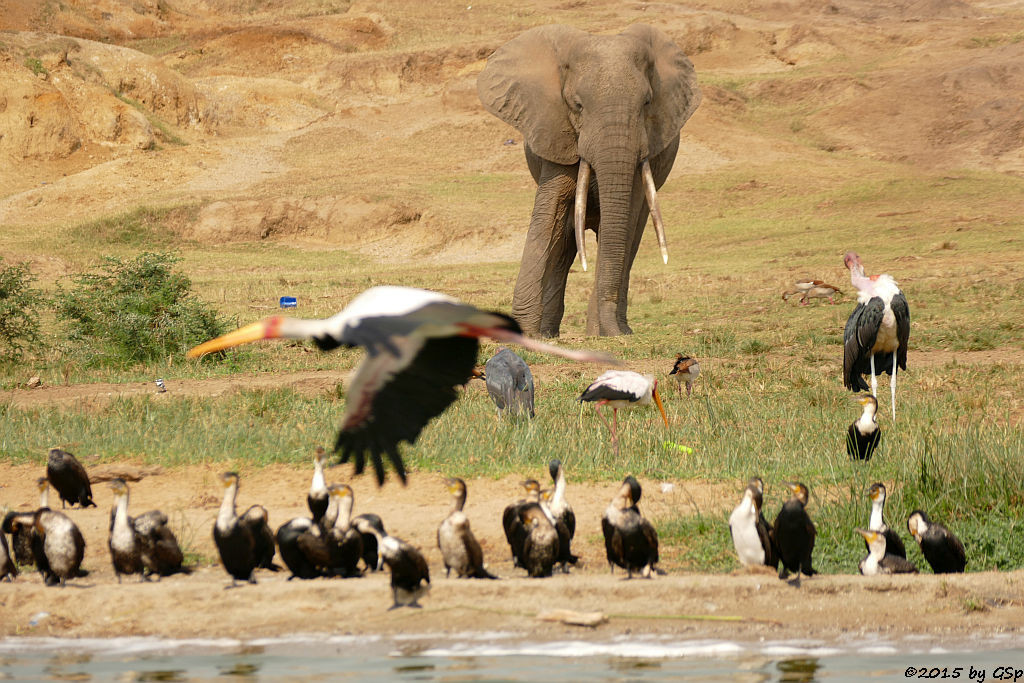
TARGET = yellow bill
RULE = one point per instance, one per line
(264, 329)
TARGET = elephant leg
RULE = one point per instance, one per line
(560, 260)
(544, 251)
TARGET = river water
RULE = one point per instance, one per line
(507, 657)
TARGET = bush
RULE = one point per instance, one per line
(19, 318)
(132, 311)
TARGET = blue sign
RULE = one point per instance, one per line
(289, 302)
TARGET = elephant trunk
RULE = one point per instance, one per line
(616, 178)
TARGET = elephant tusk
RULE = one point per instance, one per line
(652, 202)
(582, 187)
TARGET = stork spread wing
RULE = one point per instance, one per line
(858, 339)
(393, 396)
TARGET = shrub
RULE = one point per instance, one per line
(19, 318)
(132, 311)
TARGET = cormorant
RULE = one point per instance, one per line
(794, 534)
(302, 548)
(509, 383)
(893, 542)
(344, 541)
(630, 541)
(459, 548)
(124, 541)
(559, 506)
(371, 529)
(750, 533)
(878, 560)
(240, 540)
(410, 575)
(420, 346)
(511, 521)
(161, 553)
(68, 476)
(7, 568)
(540, 542)
(944, 551)
(318, 498)
(864, 434)
(58, 546)
(22, 534)
(686, 370)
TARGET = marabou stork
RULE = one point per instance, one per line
(420, 346)
(622, 389)
(878, 327)
(509, 383)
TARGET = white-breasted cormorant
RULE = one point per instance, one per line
(410, 575)
(686, 370)
(420, 346)
(161, 553)
(944, 551)
(70, 479)
(879, 560)
(371, 529)
(509, 383)
(58, 546)
(511, 521)
(864, 434)
(22, 534)
(459, 548)
(630, 541)
(124, 542)
(318, 498)
(794, 533)
(751, 535)
(893, 542)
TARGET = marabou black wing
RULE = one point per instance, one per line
(901, 311)
(858, 338)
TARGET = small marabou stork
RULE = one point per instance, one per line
(420, 345)
(879, 327)
(622, 389)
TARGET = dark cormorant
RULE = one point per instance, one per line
(302, 549)
(944, 551)
(893, 542)
(509, 383)
(794, 534)
(240, 540)
(410, 575)
(459, 548)
(630, 541)
(344, 542)
(864, 434)
(878, 560)
(7, 568)
(371, 529)
(161, 553)
(541, 544)
(68, 476)
(750, 533)
(22, 534)
(511, 521)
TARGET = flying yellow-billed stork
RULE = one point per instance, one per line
(877, 332)
(420, 345)
(622, 389)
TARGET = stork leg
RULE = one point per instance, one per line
(613, 428)
(874, 380)
(892, 386)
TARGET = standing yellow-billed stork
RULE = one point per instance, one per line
(420, 345)
(879, 327)
(622, 389)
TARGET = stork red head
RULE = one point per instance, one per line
(852, 260)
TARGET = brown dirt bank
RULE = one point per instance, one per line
(743, 606)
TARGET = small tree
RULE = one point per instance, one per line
(19, 316)
(137, 310)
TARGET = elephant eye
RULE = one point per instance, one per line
(577, 103)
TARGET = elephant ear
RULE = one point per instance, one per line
(674, 85)
(522, 86)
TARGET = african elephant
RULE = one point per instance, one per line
(610, 106)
